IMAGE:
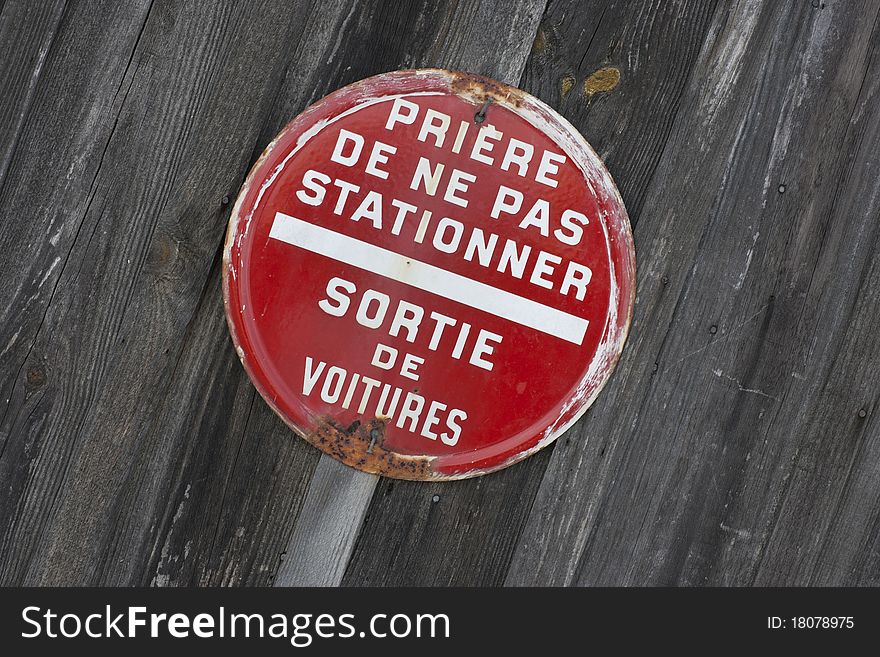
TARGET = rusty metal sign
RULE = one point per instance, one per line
(429, 275)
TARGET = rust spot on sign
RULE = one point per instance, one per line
(360, 446)
(477, 89)
(601, 81)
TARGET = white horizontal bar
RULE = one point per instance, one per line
(427, 277)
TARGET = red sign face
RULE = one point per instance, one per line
(429, 275)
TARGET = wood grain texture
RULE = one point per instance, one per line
(91, 457)
(736, 443)
(27, 30)
(48, 190)
(327, 526)
(722, 451)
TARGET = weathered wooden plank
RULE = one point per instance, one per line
(63, 102)
(327, 526)
(471, 37)
(445, 534)
(49, 183)
(722, 450)
(468, 536)
(826, 530)
(27, 30)
(86, 468)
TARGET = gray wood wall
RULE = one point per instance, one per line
(738, 440)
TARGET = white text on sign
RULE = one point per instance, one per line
(412, 335)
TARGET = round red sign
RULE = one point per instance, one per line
(429, 275)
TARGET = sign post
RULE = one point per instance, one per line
(429, 275)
